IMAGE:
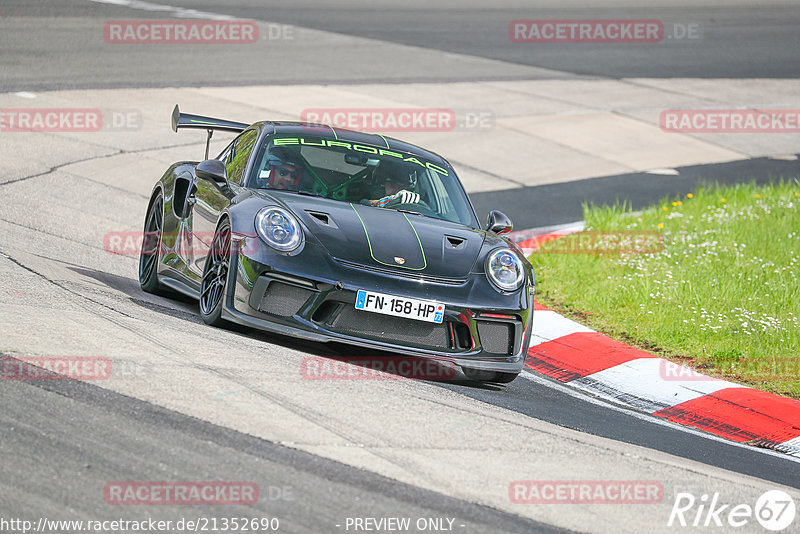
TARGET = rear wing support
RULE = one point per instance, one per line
(198, 122)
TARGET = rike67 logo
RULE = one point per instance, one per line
(774, 510)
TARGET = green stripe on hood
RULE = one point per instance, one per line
(413, 256)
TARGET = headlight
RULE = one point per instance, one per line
(504, 269)
(279, 229)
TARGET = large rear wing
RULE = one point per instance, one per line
(198, 122)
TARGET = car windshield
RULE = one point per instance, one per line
(360, 173)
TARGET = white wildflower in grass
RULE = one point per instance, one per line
(723, 280)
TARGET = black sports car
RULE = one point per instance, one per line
(335, 235)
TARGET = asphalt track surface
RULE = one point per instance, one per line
(68, 438)
(737, 41)
(741, 40)
(121, 436)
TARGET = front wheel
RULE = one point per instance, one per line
(495, 377)
(215, 277)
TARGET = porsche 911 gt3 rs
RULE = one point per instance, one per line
(329, 235)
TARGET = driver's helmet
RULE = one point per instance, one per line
(397, 173)
(284, 168)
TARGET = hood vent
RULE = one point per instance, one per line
(322, 219)
(454, 243)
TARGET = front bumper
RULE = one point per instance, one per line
(311, 296)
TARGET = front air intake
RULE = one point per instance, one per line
(391, 329)
(496, 337)
(283, 299)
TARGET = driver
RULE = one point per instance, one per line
(398, 186)
(282, 171)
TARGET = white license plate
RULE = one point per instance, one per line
(421, 310)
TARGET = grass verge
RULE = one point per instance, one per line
(710, 280)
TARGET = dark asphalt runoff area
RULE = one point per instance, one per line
(554, 204)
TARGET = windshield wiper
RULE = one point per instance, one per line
(401, 210)
(304, 193)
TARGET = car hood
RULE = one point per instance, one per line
(372, 237)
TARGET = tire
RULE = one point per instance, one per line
(214, 284)
(150, 255)
(495, 377)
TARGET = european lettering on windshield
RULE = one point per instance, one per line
(357, 148)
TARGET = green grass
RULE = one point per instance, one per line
(715, 284)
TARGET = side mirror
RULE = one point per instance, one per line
(498, 223)
(212, 170)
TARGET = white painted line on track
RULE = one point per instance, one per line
(591, 399)
(180, 12)
(663, 172)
